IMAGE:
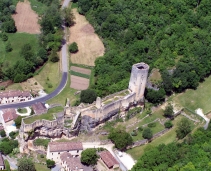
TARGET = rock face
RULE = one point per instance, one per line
(45, 128)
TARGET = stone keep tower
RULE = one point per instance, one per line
(138, 79)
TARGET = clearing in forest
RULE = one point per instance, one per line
(26, 20)
(89, 44)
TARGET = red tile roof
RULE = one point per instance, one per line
(38, 106)
(14, 94)
(65, 146)
(108, 159)
(9, 114)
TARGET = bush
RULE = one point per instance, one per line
(151, 125)
(8, 47)
(140, 129)
(13, 134)
(147, 133)
(88, 96)
(50, 163)
(18, 121)
(4, 37)
(73, 48)
(50, 85)
(3, 133)
(168, 124)
(54, 57)
(134, 133)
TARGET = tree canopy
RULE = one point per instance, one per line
(120, 138)
(89, 156)
(26, 164)
(88, 96)
(173, 36)
(192, 154)
(183, 128)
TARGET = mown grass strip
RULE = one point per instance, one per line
(79, 74)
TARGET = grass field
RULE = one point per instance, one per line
(15, 86)
(38, 7)
(49, 77)
(47, 116)
(194, 99)
(167, 138)
(17, 41)
(67, 92)
(40, 167)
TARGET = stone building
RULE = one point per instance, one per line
(14, 96)
(70, 163)
(109, 160)
(138, 79)
(39, 108)
(2, 165)
(55, 149)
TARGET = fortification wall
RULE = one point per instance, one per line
(38, 123)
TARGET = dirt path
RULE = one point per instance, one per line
(26, 20)
(89, 44)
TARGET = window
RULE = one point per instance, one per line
(52, 153)
(77, 151)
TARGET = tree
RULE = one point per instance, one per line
(68, 17)
(26, 164)
(168, 112)
(120, 138)
(183, 128)
(147, 133)
(73, 48)
(168, 124)
(54, 57)
(89, 157)
(18, 121)
(3, 133)
(154, 96)
(88, 96)
(50, 163)
(13, 134)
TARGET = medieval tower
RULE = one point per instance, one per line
(138, 79)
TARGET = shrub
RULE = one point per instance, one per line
(88, 96)
(4, 37)
(147, 133)
(168, 124)
(73, 48)
(3, 133)
(8, 47)
(35, 83)
(50, 85)
(13, 134)
(134, 133)
(151, 125)
(140, 129)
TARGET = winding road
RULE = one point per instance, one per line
(61, 85)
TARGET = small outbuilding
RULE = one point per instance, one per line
(39, 108)
(109, 159)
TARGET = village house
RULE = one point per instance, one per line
(39, 108)
(7, 117)
(109, 160)
(55, 149)
(69, 163)
(2, 165)
(14, 96)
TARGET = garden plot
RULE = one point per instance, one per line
(26, 20)
(79, 83)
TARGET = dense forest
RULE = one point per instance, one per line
(193, 154)
(173, 36)
(49, 41)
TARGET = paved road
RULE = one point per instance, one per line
(61, 85)
(12, 162)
